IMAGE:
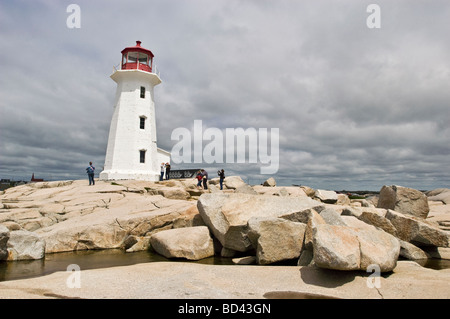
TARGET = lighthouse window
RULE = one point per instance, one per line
(132, 57)
(142, 123)
(142, 92)
(142, 156)
(143, 58)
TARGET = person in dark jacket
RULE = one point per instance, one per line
(221, 174)
(167, 170)
(90, 170)
(205, 179)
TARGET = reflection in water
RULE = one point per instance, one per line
(93, 259)
(434, 263)
(86, 259)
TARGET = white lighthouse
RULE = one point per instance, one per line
(132, 152)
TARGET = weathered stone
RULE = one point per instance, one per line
(25, 245)
(438, 252)
(331, 217)
(411, 252)
(245, 189)
(247, 260)
(342, 199)
(439, 194)
(270, 182)
(377, 247)
(310, 192)
(227, 253)
(142, 243)
(329, 197)
(192, 243)
(280, 191)
(306, 258)
(12, 225)
(189, 218)
(73, 216)
(4, 237)
(417, 231)
(336, 247)
(404, 200)
(357, 211)
(233, 182)
(348, 248)
(362, 202)
(313, 220)
(227, 214)
(170, 192)
(129, 242)
(378, 221)
(276, 239)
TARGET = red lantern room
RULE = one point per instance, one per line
(137, 58)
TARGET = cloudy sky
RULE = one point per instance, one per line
(356, 107)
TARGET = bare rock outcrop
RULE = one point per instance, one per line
(192, 243)
(347, 248)
(227, 215)
(276, 239)
(404, 200)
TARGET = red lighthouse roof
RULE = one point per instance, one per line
(137, 57)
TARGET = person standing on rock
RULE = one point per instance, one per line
(199, 178)
(162, 171)
(205, 179)
(167, 170)
(90, 170)
(221, 174)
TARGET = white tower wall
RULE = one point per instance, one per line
(126, 138)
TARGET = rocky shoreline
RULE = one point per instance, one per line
(263, 224)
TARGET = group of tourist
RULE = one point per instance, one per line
(164, 168)
(202, 175)
(202, 178)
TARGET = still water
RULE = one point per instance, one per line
(87, 259)
(93, 259)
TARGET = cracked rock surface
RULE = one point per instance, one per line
(71, 215)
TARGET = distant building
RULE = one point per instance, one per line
(36, 179)
(6, 183)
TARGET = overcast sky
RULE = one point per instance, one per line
(356, 107)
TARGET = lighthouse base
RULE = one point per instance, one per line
(108, 175)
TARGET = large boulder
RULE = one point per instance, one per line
(233, 182)
(192, 243)
(417, 231)
(292, 191)
(411, 252)
(270, 182)
(336, 247)
(4, 237)
(227, 214)
(329, 197)
(348, 248)
(276, 239)
(379, 221)
(313, 220)
(332, 217)
(404, 200)
(377, 247)
(25, 245)
(439, 194)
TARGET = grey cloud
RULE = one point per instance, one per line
(355, 107)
